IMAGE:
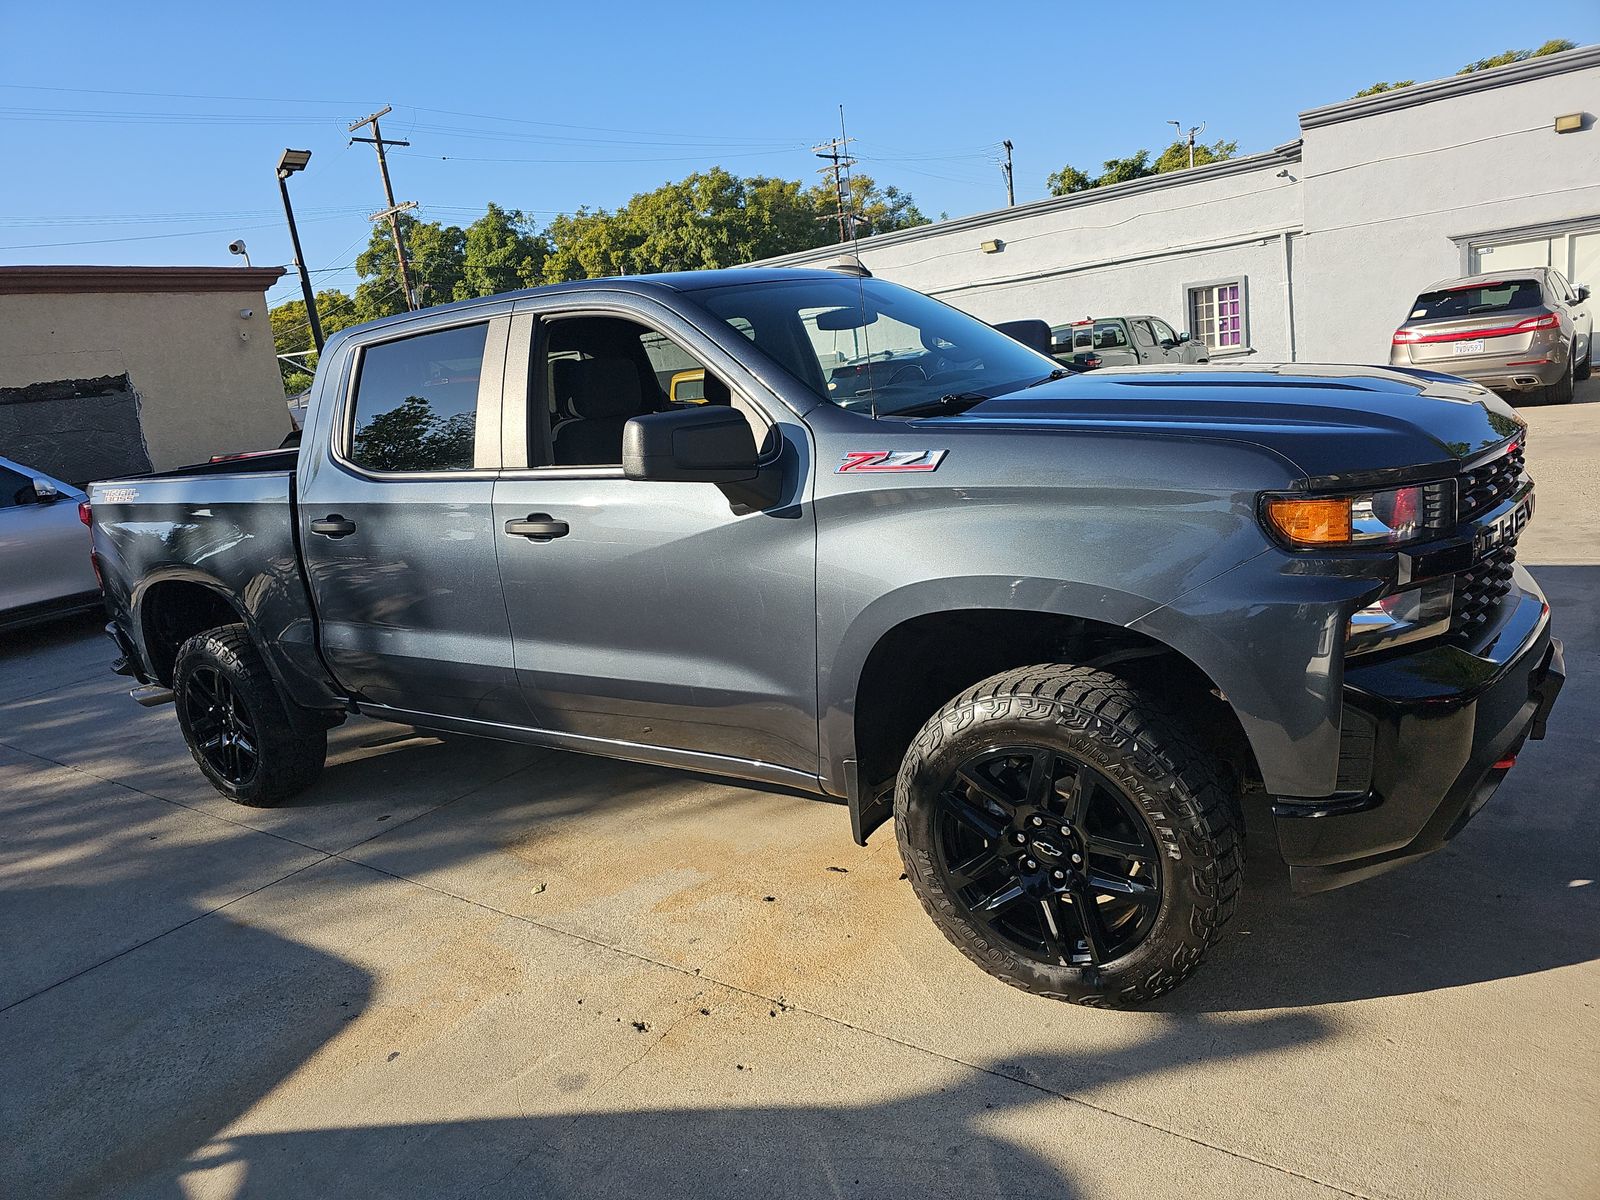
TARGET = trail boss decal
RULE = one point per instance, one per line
(864, 462)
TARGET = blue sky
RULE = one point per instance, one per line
(547, 107)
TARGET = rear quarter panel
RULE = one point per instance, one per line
(230, 533)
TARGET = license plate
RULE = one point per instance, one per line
(1473, 347)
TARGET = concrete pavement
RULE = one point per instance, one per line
(464, 969)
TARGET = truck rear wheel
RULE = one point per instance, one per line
(253, 744)
(1064, 832)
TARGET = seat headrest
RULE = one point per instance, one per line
(600, 388)
(716, 392)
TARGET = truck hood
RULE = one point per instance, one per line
(1332, 422)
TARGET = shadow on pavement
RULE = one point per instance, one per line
(950, 1141)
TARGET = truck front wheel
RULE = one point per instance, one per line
(1066, 834)
(248, 740)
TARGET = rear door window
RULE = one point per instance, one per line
(1109, 335)
(416, 402)
(1499, 296)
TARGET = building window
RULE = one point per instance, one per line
(1217, 315)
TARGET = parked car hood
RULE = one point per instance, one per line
(1332, 422)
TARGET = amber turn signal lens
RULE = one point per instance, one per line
(1311, 522)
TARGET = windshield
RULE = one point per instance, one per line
(874, 346)
(1476, 298)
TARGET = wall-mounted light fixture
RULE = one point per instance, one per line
(992, 246)
(1569, 122)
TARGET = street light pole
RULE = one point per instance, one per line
(288, 164)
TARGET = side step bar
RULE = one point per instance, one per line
(152, 695)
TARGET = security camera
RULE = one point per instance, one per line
(246, 313)
(236, 246)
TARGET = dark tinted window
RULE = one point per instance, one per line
(417, 402)
(1502, 296)
(11, 484)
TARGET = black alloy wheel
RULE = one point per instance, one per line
(1049, 855)
(224, 734)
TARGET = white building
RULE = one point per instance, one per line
(1311, 251)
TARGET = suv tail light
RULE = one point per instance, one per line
(1406, 337)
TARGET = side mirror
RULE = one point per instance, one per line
(703, 444)
(45, 492)
(1583, 291)
(1183, 337)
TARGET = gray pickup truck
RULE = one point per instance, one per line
(1074, 635)
(1096, 342)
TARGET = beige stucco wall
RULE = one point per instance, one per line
(207, 379)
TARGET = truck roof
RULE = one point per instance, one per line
(678, 281)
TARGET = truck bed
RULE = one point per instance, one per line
(220, 534)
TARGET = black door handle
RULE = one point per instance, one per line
(538, 527)
(334, 526)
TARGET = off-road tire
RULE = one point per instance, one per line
(291, 742)
(1135, 740)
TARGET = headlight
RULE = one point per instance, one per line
(1387, 518)
(1408, 616)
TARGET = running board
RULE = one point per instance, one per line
(152, 695)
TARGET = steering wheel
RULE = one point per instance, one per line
(896, 376)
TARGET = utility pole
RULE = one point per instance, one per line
(1011, 191)
(839, 164)
(1193, 129)
(394, 210)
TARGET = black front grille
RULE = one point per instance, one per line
(1480, 590)
(1490, 482)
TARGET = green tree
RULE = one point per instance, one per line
(1176, 156)
(501, 252)
(1069, 180)
(435, 255)
(1138, 166)
(1383, 87)
(1504, 59)
(291, 333)
(714, 219)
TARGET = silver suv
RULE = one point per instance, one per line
(1522, 331)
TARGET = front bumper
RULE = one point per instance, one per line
(1442, 726)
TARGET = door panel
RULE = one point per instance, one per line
(45, 549)
(662, 618)
(399, 544)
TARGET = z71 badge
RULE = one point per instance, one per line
(862, 462)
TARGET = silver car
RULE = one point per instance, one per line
(44, 548)
(1522, 331)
